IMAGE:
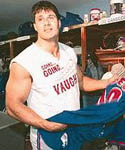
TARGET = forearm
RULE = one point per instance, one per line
(25, 115)
(28, 116)
(90, 84)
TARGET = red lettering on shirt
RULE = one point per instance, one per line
(65, 85)
(49, 69)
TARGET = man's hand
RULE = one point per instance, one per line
(53, 126)
(114, 78)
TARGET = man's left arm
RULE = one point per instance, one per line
(90, 84)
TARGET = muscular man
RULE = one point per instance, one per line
(46, 75)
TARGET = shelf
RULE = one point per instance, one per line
(66, 29)
(110, 53)
(110, 56)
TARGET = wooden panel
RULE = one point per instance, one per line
(94, 39)
(109, 57)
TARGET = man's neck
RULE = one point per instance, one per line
(49, 46)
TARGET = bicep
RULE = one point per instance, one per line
(18, 85)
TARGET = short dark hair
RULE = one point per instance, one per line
(44, 5)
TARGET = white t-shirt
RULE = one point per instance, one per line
(55, 84)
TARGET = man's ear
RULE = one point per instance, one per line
(59, 24)
(35, 26)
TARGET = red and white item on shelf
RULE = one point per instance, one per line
(95, 14)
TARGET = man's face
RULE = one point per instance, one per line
(46, 24)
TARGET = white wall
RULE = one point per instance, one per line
(84, 8)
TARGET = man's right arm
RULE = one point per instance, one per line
(17, 90)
